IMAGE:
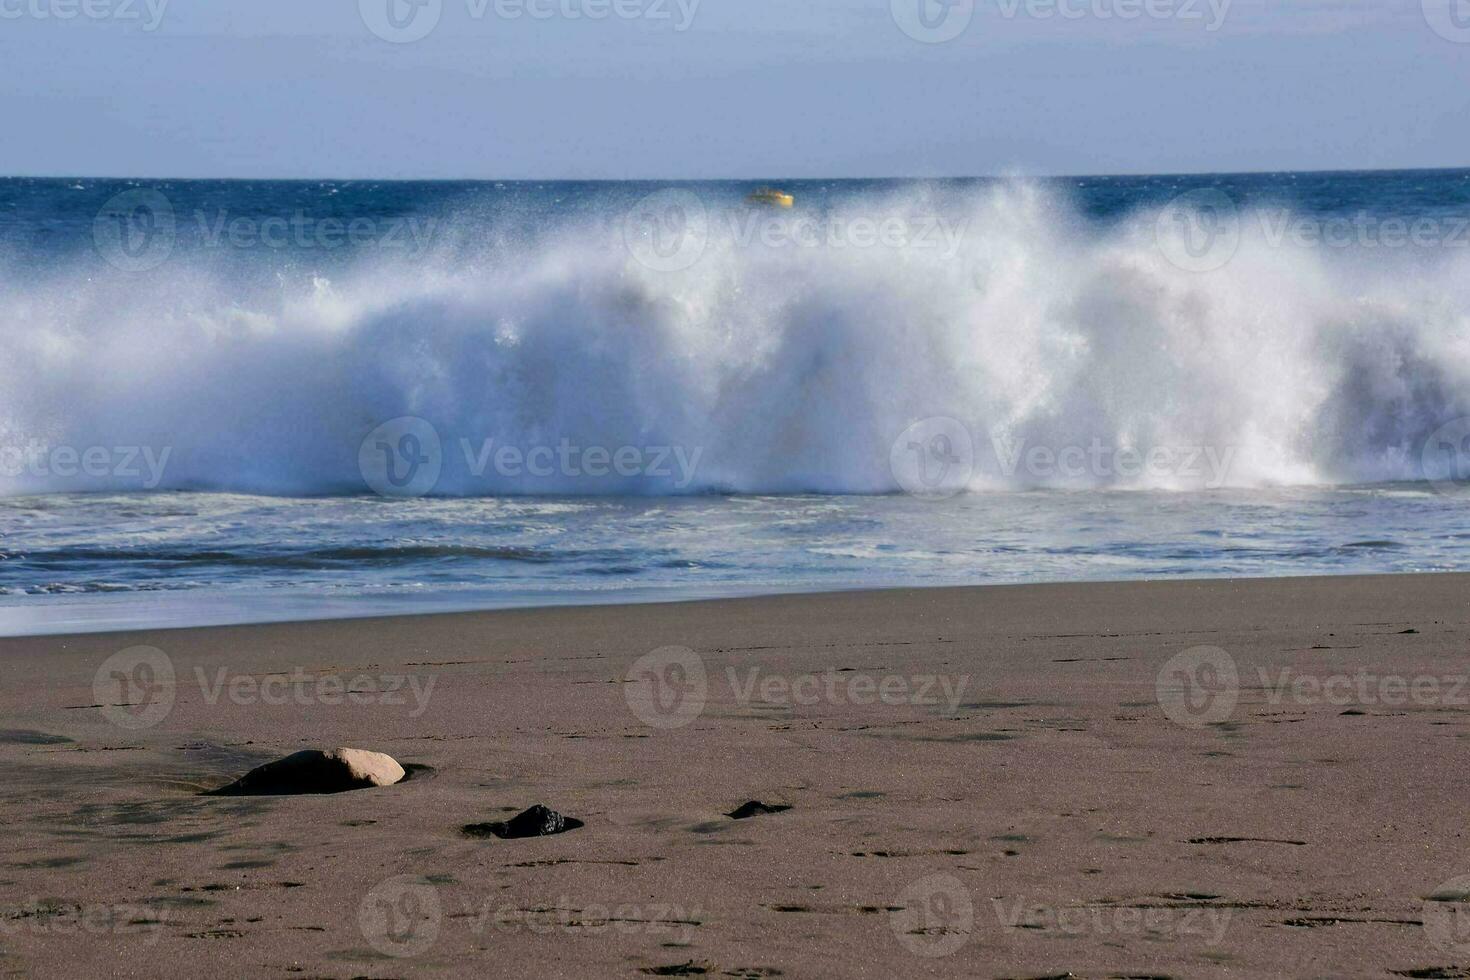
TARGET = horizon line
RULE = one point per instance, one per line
(750, 179)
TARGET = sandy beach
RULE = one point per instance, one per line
(1184, 779)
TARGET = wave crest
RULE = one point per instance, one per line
(790, 364)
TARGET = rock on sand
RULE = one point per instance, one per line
(317, 771)
(538, 821)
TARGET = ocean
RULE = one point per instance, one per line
(235, 401)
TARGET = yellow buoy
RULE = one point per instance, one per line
(767, 195)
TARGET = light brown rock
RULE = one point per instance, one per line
(318, 771)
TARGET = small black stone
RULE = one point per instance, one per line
(539, 821)
(755, 808)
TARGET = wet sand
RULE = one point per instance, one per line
(1229, 778)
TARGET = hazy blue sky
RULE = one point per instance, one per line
(748, 88)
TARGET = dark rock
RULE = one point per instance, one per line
(691, 969)
(539, 821)
(755, 808)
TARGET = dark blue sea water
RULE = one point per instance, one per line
(234, 400)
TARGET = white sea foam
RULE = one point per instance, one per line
(791, 366)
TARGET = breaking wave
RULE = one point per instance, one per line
(788, 356)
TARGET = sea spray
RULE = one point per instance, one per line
(787, 369)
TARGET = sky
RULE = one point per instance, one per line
(686, 89)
